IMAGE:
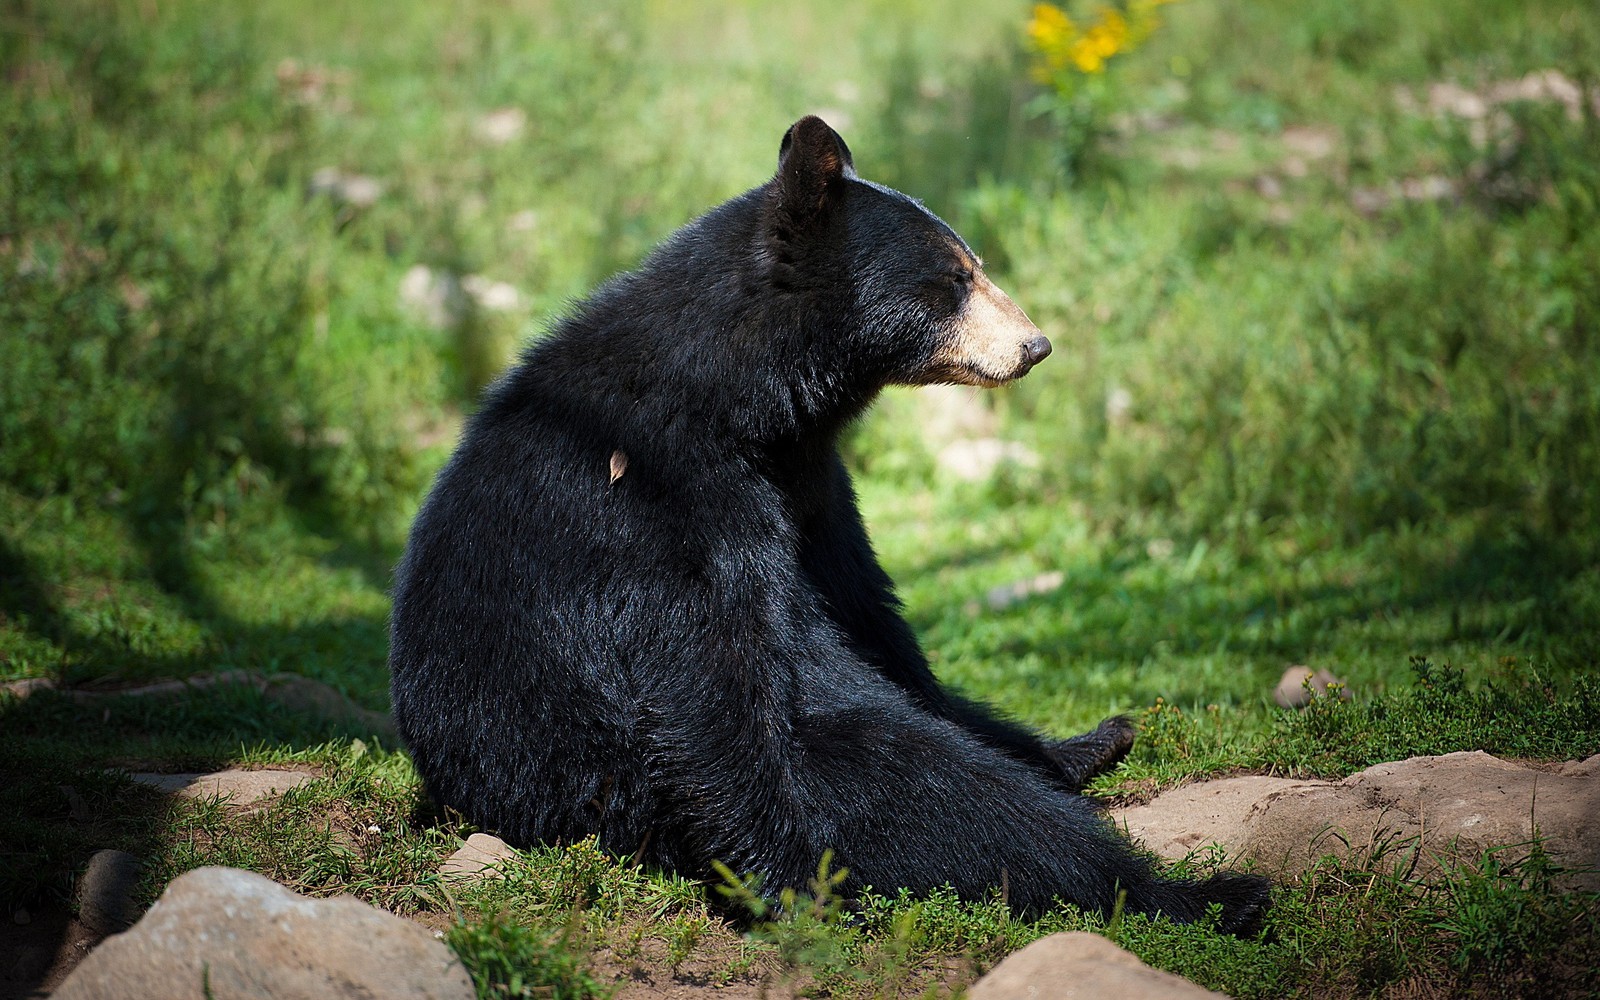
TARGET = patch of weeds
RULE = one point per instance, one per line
(800, 926)
(545, 881)
(351, 831)
(1519, 714)
(1239, 967)
(1505, 921)
(682, 933)
(903, 944)
(508, 958)
(1490, 927)
(1173, 744)
(872, 946)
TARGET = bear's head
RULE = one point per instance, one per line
(918, 307)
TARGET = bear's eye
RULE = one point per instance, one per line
(946, 291)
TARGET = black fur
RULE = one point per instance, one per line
(700, 659)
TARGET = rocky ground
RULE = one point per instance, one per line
(236, 933)
(246, 936)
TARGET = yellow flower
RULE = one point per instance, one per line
(1060, 44)
(1050, 35)
(1050, 29)
(1105, 39)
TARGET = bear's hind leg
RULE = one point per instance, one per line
(917, 802)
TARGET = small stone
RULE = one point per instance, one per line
(1323, 682)
(491, 295)
(479, 858)
(1000, 598)
(223, 932)
(21, 916)
(1074, 964)
(106, 892)
(1369, 200)
(500, 126)
(1430, 188)
(1119, 406)
(355, 190)
(1293, 690)
(525, 221)
(435, 296)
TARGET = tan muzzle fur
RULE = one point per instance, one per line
(994, 341)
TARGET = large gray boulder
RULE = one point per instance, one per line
(1411, 813)
(222, 932)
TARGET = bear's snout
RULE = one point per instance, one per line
(991, 341)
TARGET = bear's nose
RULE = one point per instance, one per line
(1036, 349)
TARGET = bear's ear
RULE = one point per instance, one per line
(812, 160)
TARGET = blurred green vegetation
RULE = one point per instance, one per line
(1324, 292)
(1269, 356)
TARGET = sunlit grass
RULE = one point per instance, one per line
(1278, 427)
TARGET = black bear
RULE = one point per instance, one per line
(639, 602)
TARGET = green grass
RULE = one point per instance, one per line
(1278, 428)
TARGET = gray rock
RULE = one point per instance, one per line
(436, 297)
(1004, 596)
(500, 126)
(241, 788)
(105, 892)
(1077, 966)
(27, 686)
(164, 688)
(479, 858)
(354, 190)
(303, 694)
(1410, 813)
(223, 932)
(293, 691)
(1292, 690)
